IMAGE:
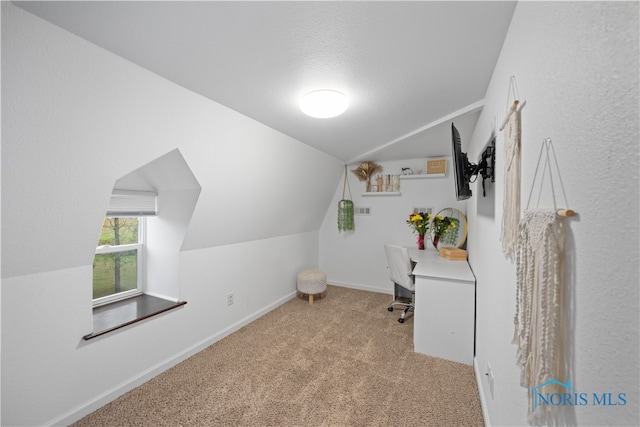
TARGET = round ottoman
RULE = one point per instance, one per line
(312, 282)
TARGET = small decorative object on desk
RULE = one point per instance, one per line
(445, 230)
(453, 254)
(419, 222)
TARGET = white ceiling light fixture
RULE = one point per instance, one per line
(323, 104)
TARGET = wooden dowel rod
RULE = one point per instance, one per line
(514, 106)
(566, 212)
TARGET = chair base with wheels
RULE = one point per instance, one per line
(400, 273)
(402, 301)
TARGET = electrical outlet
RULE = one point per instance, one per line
(230, 298)
(490, 380)
(362, 210)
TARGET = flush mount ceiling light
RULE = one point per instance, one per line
(324, 104)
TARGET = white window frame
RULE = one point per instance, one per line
(140, 267)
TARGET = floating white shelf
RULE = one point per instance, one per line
(424, 176)
(381, 193)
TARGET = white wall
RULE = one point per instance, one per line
(357, 259)
(75, 119)
(576, 65)
(51, 376)
(79, 118)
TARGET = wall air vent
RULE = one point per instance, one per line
(426, 210)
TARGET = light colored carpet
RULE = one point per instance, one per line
(343, 361)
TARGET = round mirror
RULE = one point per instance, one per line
(448, 228)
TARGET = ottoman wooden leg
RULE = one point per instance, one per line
(311, 283)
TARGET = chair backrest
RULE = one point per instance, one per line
(399, 265)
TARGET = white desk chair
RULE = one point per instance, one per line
(400, 269)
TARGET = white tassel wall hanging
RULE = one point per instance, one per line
(538, 307)
(511, 200)
(538, 326)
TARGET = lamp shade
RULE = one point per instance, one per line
(323, 104)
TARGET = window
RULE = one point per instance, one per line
(118, 267)
(143, 281)
(118, 263)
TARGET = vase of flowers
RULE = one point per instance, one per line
(419, 222)
(443, 228)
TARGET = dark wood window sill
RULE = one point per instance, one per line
(110, 317)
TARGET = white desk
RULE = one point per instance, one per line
(444, 318)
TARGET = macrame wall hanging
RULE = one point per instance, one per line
(511, 201)
(538, 331)
(345, 208)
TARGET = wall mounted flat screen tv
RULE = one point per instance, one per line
(465, 171)
(460, 166)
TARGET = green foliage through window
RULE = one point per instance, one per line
(116, 270)
(119, 231)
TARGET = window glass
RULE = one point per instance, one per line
(119, 231)
(114, 273)
(117, 262)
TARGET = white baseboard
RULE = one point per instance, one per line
(108, 396)
(359, 287)
(483, 398)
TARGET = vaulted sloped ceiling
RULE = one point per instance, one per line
(409, 68)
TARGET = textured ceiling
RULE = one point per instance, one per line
(409, 68)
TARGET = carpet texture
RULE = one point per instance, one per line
(343, 361)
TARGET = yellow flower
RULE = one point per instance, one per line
(419, 222)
